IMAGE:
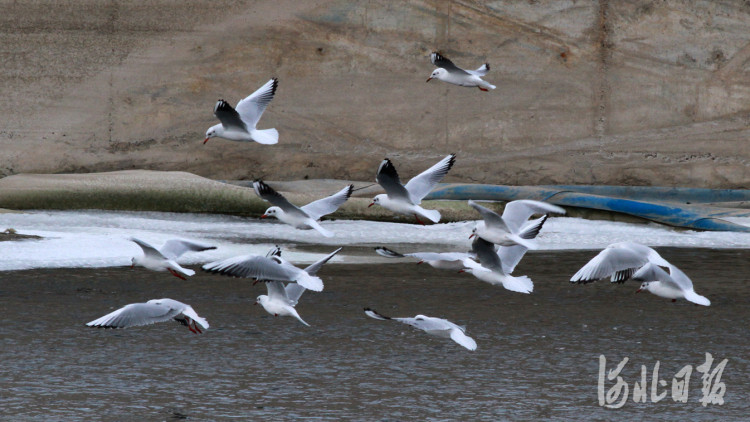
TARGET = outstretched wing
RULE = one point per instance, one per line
(420, 185)
(262, 268)
(439, 61)
(517, 212)
(315, 267)
(252, 107)
(620, 262)
(491, 218)
(387, 177)
(485, 251)
(135, 314)
(269, 194)
(228, 116)
(329, 204)
(147, 248)
(174, 248)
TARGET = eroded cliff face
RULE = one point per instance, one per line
(604, 92)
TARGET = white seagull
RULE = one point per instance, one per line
(619, 261)
(439, 260)
(506, 230)
(449, 72)
(491, 269)
(305, 217)
(281, 300)
(673, 285)
(263, 268)
(437, 327)
(239, 124)
(164, 259)
(151, 312)
(405, 199)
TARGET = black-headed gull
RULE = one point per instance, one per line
(439, 260)
(491, 269)
(448, 72)
(506, 230)
(673, 285)
(239, 124)
(263, 268)
(151, 312)
(305, 217)
(437, 327)
(164, 259)
(405, 199)
(619, 261)
(281, 300)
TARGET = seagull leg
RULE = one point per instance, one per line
(189, 325)
(176, 274)
(480, 88)
(418, 220)
(419, 262)
(195, 326)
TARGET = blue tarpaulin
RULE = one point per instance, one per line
(679, 207)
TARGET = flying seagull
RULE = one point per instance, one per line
(305, 217)
(405, 199)
(437, 327)
(239, 124)
(164, 259)
(151, 312)
(448, 72)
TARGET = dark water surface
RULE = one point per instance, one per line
(537, 356)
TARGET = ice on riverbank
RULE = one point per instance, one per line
(99, 238)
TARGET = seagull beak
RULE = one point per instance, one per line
(472, 235)
(255, 303)
(264, 216)
(371, 204)
(419, 262)
(461, 271)
(205, 140)
(429, 79)
(639, 290)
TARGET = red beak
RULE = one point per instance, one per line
(263, 216)
(205, 140)
(639, 290)
(472, 235)
(461, 271)
(429, 79)
(371, 204)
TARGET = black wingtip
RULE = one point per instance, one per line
(275, 85)
(349, 191)
(487, 65)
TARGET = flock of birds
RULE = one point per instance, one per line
(500, 241)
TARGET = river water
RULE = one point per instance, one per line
(538, 355)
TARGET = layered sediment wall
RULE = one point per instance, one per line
(588, 92)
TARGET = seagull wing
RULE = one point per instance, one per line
(329, 204)
(439, 61)
(262, 268)
(174, 248)
(491, 218)
(620, 263)
(485, 251)
(269, 194)
(315, 267)
(228, 116)
(147, 248)
(460, 337)
(517, 212)
(135, 314)
(388, 178)
(420, 185)
(252, 107)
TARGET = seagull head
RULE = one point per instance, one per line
(437, 74)
(645, 286)
(262, 299)
(213, 132)
(272, 212)
(376, 200)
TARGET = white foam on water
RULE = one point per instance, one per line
(100, 238)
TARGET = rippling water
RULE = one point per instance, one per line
(537, 356)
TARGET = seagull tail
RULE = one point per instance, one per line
(266, 136)
(432, 215)
(696, 298)
(522, 284)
